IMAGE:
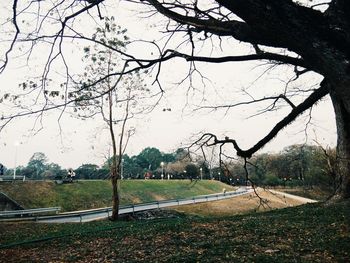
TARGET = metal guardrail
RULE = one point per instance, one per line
(13, 213)
(10, 178)
(99, 213)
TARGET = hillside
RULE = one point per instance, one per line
(97, 193)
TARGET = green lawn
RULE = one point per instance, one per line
(308, 233)
(94, 194)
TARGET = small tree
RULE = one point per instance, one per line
(53, 171)
(272, 180)
(149, 158)
(116, 99)
(192, 171)
(36, 166)
(86, 171)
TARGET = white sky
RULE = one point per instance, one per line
(85, 141)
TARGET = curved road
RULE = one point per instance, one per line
(102, 213)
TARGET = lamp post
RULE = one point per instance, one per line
(122, 169)
(201, 171)
(162, 165)
(14, 170)
(220, 176)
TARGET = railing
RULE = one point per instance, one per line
(15, 213)
(8, 178)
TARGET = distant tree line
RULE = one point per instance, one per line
(38, 168)
(296, 165)
(135, 167)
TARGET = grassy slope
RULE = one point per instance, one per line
(308, 233)
(94, 194)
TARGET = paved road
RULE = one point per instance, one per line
(96, 214)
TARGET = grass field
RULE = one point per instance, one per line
(94, 194)
(307, 233)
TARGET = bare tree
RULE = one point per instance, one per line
(311, 36)
(117, 99)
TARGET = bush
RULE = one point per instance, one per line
(294, 183)
(272, 180)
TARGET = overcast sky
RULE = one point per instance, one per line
(73, 142)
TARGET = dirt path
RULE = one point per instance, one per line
(295, 197)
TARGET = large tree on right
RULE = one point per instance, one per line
(314, 37)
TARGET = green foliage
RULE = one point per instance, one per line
(134, 167)
(131, 168)
(89, 171)
(296, 165)
(272, 180)
(168, 157)
(149, 158)
(53, 171)
(36, 166)
(192, 171)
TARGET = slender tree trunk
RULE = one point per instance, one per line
(114, 167)
(341, 104)
(116, 199)
(117, 159)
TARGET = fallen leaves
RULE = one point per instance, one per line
(306, 233)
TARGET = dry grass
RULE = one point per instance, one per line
(240, 205)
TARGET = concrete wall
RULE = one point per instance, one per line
(6, 203)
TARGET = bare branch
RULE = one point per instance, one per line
(258, 56)
(274, 98)
(14, 21)
(209, 139)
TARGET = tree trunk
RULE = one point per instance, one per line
(115, 206)
(115, 166)
(341, 104)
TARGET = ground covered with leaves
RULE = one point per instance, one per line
(308, 233)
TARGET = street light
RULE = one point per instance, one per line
(14, 170)
(220, 176)
(121, 169)
(162, 165)
(201, 170)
